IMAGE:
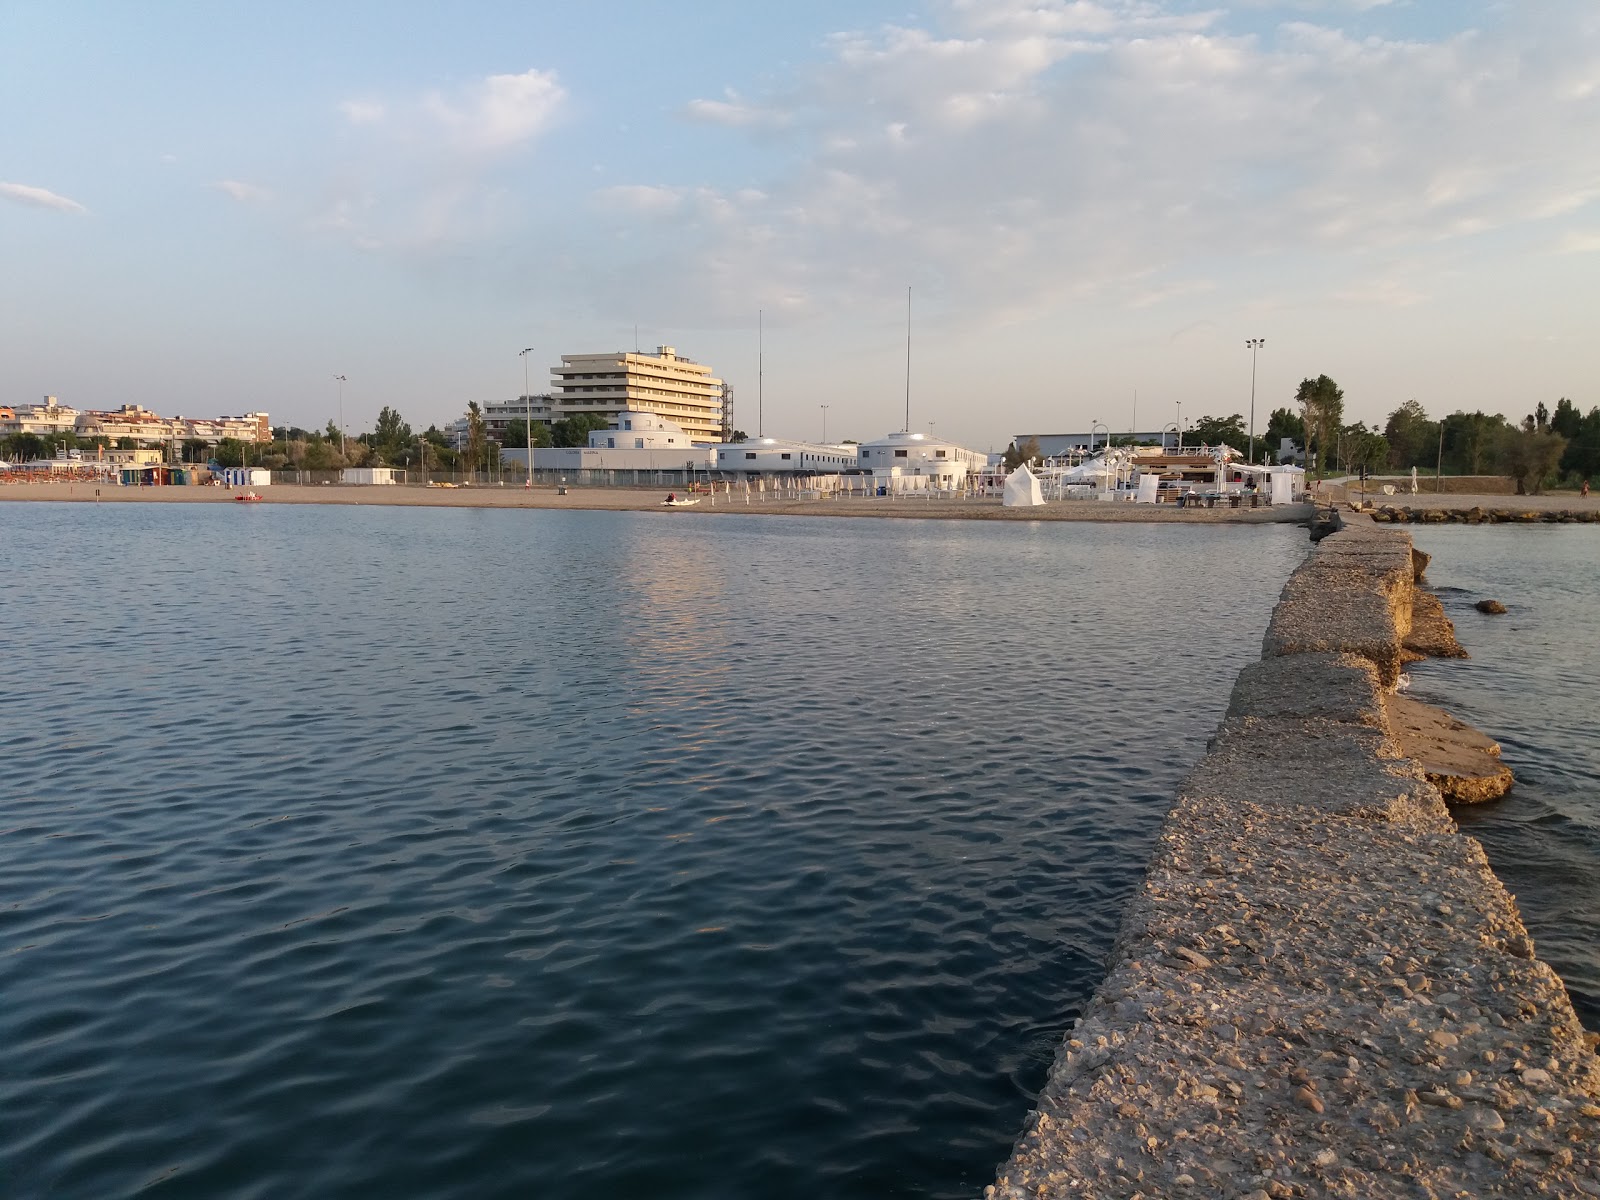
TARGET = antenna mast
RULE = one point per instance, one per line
(761, 372)
(908, 358)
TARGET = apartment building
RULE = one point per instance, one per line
(679, 389)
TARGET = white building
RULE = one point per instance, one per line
(497, 416)
(634, 430)
(944, 464)
(773, 456)
(44, 419)
(679, 389)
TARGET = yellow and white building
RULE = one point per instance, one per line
(679, 389)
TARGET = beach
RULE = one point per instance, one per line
(650, 499)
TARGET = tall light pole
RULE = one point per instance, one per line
(527, 399)
(1179, 403)
(340, 378)
(824, 409)
(1255, 344)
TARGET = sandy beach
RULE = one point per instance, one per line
(642, 500)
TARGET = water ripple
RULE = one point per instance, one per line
(470, 853)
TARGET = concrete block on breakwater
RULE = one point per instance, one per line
(1321, 988)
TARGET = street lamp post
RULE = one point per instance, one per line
(527, 399)
(1255, 344)
(1180, 425)
(340, 378)
(824, 409)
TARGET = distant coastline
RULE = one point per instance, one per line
(650, 500)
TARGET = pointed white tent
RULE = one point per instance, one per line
(1022, 489)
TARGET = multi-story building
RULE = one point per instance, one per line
(679, 389)
(49, 417)
(497, 415)
(142, 425)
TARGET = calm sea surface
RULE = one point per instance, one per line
(359, 852)
(1532, 684)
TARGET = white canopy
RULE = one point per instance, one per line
(1022, 489)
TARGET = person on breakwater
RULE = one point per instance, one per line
(1584, 490)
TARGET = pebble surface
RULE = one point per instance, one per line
(1321, 988)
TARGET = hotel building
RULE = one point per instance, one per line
(679, 389)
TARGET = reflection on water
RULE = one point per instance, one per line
(358, 852)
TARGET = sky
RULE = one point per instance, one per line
(217, 207)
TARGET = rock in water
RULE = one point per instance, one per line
(1492, 607)
(1461, 762)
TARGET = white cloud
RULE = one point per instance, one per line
(499, 112)
(39, 197)
(734, 113)
(244, 193)
(419, 174)
(362, 112)
(1019, 151)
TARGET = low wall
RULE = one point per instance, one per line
(1321, 989)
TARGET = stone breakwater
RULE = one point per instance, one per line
(1321, 988)
(1478, 515)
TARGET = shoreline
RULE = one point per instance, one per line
(649, 500)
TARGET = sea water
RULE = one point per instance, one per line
(356, 851)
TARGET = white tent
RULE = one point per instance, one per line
(1022, 489)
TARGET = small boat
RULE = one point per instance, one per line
(677, 503)
(247, 498)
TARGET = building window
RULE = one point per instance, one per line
(939, 454)
(750, 454)
(787, 455)
(638, 443)
(611, 443)
(899, 453)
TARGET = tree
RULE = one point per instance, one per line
(1413, 438)
(24, 447)
(1565, 420)
(517, 434)
(1284, 423)
(477, 437)
(391, 434)
(1220, 431)
(1528, 456)
(738, 435)
(1028, 452)
(1470, 440)
(1583, 452)
(575, 430)
(1363, 449)
(1321, 403)
(230, 452)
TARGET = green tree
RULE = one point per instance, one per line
(1361, 449)
(1413, 438)
(575, 430)
(1284, 423)
(230, 452)
(1582, 458)
(1321, 403)
(1528, 456)
(24, 447)
(1220, 431)
(477, 447)
(1566, 419)
(1470, 441)
(517, 434)
(391, 434)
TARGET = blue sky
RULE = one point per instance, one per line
(216, 207)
